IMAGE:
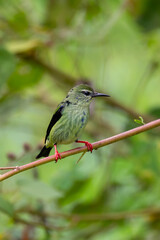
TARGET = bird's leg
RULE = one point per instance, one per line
(88, 145)
(58, 156)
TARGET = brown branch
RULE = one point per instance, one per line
(8, 168)
(39, 224)
(96, 145)
(63, 78)
(115, 216)
(52, 71)
(75, 219)
(132, 113)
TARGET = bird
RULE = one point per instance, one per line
(69, 120)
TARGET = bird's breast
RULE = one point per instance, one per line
(77, 120)
(70, 125)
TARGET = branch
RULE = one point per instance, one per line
(75, 219)
(54, 72)
(8, 168)
(96, 145)
(116, 216)
(132, 113)
(63, 78)
(39, 224)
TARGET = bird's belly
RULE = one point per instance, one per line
(69, 128)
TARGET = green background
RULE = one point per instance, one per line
(46, 48)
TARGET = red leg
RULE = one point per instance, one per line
(88, 145)
(58, 156)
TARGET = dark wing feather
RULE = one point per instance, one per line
(56, 116)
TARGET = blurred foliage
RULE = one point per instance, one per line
(46, 46)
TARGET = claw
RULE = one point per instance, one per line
(88, 145)
(57, 154)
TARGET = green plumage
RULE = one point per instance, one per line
(70, 118)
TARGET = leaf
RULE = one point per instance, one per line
(7, 63)
(25, 75)
(139, 121)
(39, 190)
(22, 46)
(6, 207)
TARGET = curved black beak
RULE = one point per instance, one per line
(96, 94)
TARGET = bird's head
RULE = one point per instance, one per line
(83, 94)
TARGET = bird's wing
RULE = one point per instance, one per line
(56, 116)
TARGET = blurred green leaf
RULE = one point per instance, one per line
(6, 206)
(25, 75)
(139, 121)
(7, 65)
(155, 112)
(39, 190)
(22, 46)
(148, 16)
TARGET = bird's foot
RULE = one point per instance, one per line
(57, 154)
(88, 145)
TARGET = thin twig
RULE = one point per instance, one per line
(8, 168)
(40, 224)
(81, 157)
(116, 216)
(108, 216)
(96, 145)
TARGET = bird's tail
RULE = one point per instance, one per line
(44, 152)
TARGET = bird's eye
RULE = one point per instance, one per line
(87, 93)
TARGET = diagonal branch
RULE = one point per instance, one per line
(96, 145)
(63, 78)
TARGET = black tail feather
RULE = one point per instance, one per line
(44, 152)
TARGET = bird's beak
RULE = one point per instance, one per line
(96, 94)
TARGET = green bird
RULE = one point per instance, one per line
(69, 119)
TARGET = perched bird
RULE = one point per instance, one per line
(69, 119)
